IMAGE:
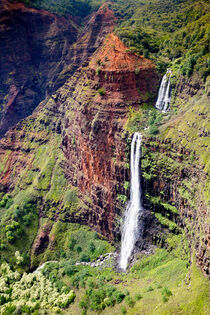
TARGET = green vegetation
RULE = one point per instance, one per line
(29, 292)
(122, 198)
(146, 117)
(176, 30)
(98, 296)
(101, 91)
(73, 241)
(43, 203)
(155, 285)
(62, 7)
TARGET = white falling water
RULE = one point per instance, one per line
(164, 96)
(130, 231)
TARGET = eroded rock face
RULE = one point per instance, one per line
(96, 104)
(37, 56)
(88, 112)
(32, 46)
(179, 182)
(42, 240)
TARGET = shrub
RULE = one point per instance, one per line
(95, 236)
(102, 91)
(146, 53)
(98, 62)
(92, 247)
(149, 289)
(98, 71)
(109, 301)
(123, 310)
(126, 292)
(72, 243)
(129, 301)
(126, 185)
(79, 249)
(27, 219)
(2, 300)
(91, 285)
(70, 270)
(119, 296)
(10, 237)
(9, 203)
(138, 296)
(2, 246)
(2, 203)
(192, 157)
(122, 198)
(84, 302)
(153, 130)
(84, 257)
(166, 293)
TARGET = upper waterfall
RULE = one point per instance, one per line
(164, 94)
(130, 230)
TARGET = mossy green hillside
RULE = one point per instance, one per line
(161, 283)
(38, 187)
(72, 241)
(189, 128)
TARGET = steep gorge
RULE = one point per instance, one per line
(69, 159)
(41, 55)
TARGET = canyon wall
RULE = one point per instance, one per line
(68, 161)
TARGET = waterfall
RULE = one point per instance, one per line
(164, 95)
(130, 230)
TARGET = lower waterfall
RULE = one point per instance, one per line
(130, 230)
(164, 94)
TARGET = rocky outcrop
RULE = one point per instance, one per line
(42, 240)
(96, 104)
(179, 182)
(88, 114)
(37, 55)
(81, 126)
(33, 43)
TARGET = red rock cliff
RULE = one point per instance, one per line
(96, 103)
(37, 55)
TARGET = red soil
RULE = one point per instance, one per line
(114, 56)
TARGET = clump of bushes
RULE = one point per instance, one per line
(101, 91)
(155, 118)
(80, 278)
(98, 71)
(129, 301)
(166, 293)
(29, 292)
(138, 296)
(123, 310)
(98, 296)
(6, 201)
(122, 198)
(84, 257)
(149, 288)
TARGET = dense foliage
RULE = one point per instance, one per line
(176, 31)
(28, 292)
(172, 32)
(63, 7)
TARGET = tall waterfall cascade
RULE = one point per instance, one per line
(131, 228)
(164, 94)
